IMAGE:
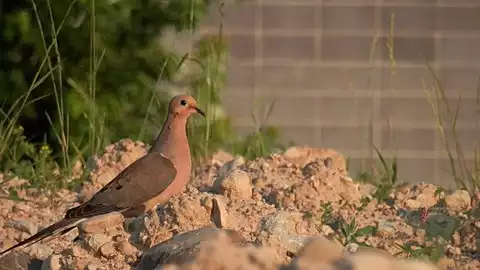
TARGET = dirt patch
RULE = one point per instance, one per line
(277, 204)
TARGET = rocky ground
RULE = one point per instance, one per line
(296, 210)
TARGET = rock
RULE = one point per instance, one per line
(327, 230)
(413, 265)
(370, 260)
(40, 250)
(126, 248)
(6, 205)
(458, 201)
(219, 212)
(355, 249)
(22, 225)
(317, 250)
(53, 262)
(220, 157)
(22, 207)
(182, 248)
(107, 250)
(20, 260)
(446, 263)
(221, 253)
(275, 229)
(236, 183)
(95, 241)
(76, 251)
(426, 195)
(302, 155)
(229, 166)
(93, 266)
(386, 228)
(101, 223)
(412, 204)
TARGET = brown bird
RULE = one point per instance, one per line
(149, 181)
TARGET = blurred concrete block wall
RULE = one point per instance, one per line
(350, 74)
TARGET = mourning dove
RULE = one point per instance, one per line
(149, 181)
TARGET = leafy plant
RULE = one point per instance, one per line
(93, 64)
(33, 162)
(327, 210)
(349, 232)
(432, 252)
(385, 177)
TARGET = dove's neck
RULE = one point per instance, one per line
(172, 142)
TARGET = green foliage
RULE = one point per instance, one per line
(259, 143)
(349, 232)
(385, 177)
(327, 210)
(106, 60)
(32, 162)
(432, 252)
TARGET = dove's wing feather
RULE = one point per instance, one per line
(143, 180)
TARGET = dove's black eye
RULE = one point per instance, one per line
(183, 102)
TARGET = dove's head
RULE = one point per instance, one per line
(184, 106)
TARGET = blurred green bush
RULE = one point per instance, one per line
(120, 36)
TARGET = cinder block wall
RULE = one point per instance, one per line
(337, 83)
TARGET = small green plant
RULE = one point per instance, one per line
(432, 252)
(327, 210)
(349, 232)
(264, 140)
(385, 177)
(33, 162)
(364, 201)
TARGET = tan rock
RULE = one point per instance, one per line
(126, 248)
(412, 265)
(107, 250)
(101, 223)
(446, 263)
(236, 183)
(220, 157)
(302, 155)
(412, 204)
(318, 250)
(370, 260)
(219, 212)
(458, 201)
(95, 241)
(426, 195)
(230, 165)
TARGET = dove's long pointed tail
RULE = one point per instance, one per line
(61, 227)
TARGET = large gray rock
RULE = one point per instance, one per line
(182, 248)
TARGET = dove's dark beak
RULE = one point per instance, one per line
(199, 111)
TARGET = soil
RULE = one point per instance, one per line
(277, 203)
